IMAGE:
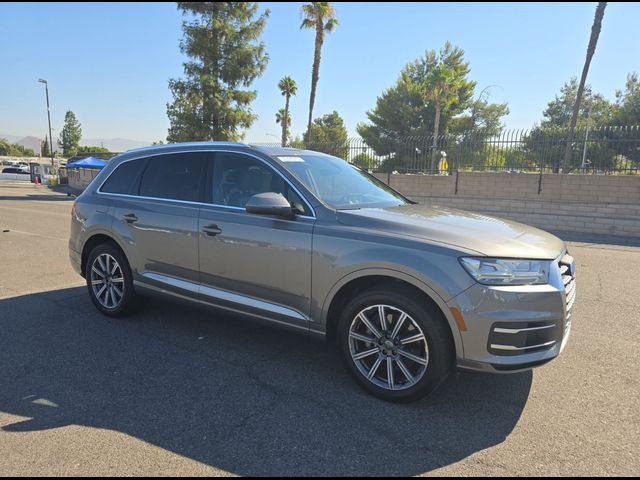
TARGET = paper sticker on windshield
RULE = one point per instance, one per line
(292, 159)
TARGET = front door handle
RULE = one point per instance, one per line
(130, 218)
(211, 230)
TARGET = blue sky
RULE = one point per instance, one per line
(110, 63)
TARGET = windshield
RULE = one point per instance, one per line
(340, 184)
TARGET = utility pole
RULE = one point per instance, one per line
(46, 87)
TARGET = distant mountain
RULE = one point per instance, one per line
(27, 142)
(113, 144)
(10, 138)
(30, 142)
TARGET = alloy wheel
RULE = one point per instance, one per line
(388, 347)
(107, 281)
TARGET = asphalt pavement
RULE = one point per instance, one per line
(183, 391)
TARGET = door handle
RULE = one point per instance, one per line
(212, 230)
(130, 218)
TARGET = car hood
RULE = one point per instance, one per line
(490, 236)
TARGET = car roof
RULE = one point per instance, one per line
(272, 151)
(174, 146)
(275, 151)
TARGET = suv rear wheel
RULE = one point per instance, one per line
(110, 281)
(397, 348)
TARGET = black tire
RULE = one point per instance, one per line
(129, 299)
(439, 353)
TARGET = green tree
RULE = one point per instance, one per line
(70, 136)
(321, 17)
(364, 160)
(328, 134)
(297, 142)
(14, 150)
(92, 149)
(221, 40)
(404, 116)
(482, 117)
(627, 114)
(288, 88)
(283, 118)
(444, 82)
(594, 108)
(44, 147)
(628, 102)
(591, 49)
(546, 142)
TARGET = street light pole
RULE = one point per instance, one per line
(46, 88)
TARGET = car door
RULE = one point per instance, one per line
(255, 264)
(158, 221)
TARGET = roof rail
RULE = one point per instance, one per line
(191, 144)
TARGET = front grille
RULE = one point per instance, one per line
(567, 270)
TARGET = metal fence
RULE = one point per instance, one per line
(601, 150)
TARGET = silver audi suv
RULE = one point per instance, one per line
(306, 241)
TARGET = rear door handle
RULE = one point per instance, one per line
(211, 230)
(130, 218)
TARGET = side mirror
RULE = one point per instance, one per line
(270, 203)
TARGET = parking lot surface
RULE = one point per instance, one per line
(183, 391)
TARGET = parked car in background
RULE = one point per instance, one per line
(17, 170)
(306, 241)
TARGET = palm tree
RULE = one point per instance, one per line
(288, 88)
(283, 118)
(321, 17)
(442, 89)
(591, 49)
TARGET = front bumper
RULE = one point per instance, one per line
(512, 329)
(76, 261)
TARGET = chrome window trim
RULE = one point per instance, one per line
(304, 199)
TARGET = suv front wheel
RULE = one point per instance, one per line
(109, 281)
(397, 348)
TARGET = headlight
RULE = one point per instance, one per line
(496, 271)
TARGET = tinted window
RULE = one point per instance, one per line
(236, 178)
(176, 176)
(124, 177)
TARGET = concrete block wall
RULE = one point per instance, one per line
(588, 204)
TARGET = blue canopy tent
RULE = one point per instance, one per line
(81, 172)
(88, 162)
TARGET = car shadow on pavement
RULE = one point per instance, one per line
(231, 394)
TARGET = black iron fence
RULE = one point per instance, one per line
(601, 150)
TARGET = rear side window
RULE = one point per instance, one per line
(124, 179)
(175, 176)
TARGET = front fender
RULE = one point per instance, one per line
(405, 277)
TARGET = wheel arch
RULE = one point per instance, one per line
(361, 280)
(93, 241)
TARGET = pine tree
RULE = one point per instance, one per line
(221, 40)
(70, 135)
(45, 148)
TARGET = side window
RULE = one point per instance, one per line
(124, 179)
(237, 177)
(176, 176)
